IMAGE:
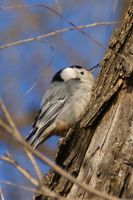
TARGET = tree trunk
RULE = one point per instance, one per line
(100, 150)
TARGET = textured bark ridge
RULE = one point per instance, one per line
(99, 151)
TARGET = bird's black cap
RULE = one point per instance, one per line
(57, 77)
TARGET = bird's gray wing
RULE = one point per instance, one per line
(51, 105)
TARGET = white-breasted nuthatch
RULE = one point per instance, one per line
(63, 104)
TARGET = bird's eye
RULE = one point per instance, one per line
(82, 73)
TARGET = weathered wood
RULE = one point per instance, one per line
(100, 149)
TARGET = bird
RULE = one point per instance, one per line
(63, 104)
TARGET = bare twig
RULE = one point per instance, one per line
(37, 191)
(36, 167)
(56, 13)
(27, 175)
(16, 133)
(20, 186)
(5, 127)
(52, 50)
(55, 33)
(31, 88)
(7, 158)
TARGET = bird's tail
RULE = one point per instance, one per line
(37, 136)
(32, 137)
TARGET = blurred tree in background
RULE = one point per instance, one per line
(26, 69)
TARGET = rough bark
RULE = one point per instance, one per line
(100, 150)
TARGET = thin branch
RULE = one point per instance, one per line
(7, 158)
(36, 167)
(56, 13)
(55, 33)
(5, 127)
(20, 186)
(17, 134)
(30, 156)
(9, 120)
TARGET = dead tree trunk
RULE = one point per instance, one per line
(100, 150)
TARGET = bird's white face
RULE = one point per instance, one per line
(68, 73)
(76, 72)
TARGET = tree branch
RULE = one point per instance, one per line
(37, 38)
